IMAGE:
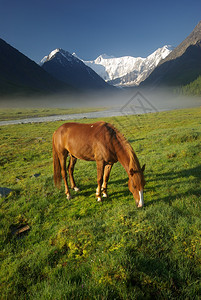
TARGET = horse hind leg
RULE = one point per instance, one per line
(106, 175)
(100, 172)
(71, 166)
(62, 158)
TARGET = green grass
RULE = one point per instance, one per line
(82, 249)
(23, 113)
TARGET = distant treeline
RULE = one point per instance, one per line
(193, 88)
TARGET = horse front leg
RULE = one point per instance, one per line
(71, 166)
(100, 172)
(106, 175)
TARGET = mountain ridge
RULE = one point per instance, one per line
(20, 75)
(191, 39)
(181, 66)
(127, 70)
(70, 69)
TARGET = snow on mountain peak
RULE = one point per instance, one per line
(62, 55)
(111, 68)
(75, 55)
(120, 71)
(105, 56)
(50, 56)
(53, 53)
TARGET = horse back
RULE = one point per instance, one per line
(86, 141)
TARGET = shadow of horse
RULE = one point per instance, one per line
(174, 178)
(87, 190)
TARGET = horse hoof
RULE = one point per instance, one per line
(99, 199)
(140, 206)
(104, 195)
(76, 189)
(68, 196)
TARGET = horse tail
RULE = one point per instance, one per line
(56, 165)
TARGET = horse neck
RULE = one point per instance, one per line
(124, 161)
(127, 158)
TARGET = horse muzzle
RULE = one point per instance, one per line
(141, 202)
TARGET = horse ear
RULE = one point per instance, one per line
(131, 172)
(143, 168)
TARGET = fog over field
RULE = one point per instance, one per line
(128, 101)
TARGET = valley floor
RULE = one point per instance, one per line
(52, 248)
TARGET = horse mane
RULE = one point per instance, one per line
(134, 162)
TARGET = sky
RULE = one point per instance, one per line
(91, 28)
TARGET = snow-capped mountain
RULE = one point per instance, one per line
(127, 70)
(70, 69)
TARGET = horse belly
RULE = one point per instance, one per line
(81, 151)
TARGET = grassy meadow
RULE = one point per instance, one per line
(82, 249)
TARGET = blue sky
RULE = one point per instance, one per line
(91, 28)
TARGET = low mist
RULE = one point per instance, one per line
(126, 101)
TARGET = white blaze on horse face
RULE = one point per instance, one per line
(141, 202)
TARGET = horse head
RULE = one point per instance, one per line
(136, 185)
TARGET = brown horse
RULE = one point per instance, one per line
(100, 142)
